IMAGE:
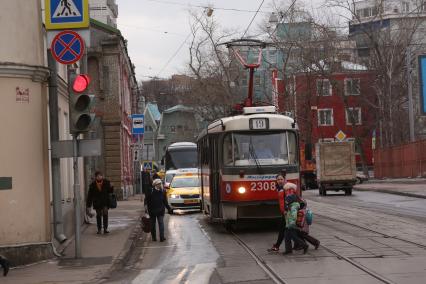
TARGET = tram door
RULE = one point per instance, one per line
(215, 176)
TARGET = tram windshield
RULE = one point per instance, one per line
(246, 149)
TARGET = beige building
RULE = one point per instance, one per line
(24, 166)
(26, 233)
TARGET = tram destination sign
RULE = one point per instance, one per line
(259, 123)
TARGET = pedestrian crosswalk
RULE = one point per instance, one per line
(199, 274)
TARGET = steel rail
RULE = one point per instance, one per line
(265, 267)
(373, 231)
(359, 266)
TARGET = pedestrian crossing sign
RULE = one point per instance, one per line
(66, 14)
(147, 165)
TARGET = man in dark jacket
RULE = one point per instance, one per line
(156, 202)
(5, 264)
(146, 181)
(98, 196)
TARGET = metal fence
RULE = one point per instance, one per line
(406, 160)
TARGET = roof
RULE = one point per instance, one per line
(153, 109)
(179, 108)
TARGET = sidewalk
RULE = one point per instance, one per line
(99, 252)
(415, 187)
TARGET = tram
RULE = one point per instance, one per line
(239, 158)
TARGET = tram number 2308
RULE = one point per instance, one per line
(262, 185)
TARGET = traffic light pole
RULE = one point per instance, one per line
(76, 187)
(77, 198)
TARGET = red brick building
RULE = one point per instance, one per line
(327, 102)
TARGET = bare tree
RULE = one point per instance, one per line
(213, 91)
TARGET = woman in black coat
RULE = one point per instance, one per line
(98, 196)
(156, 201)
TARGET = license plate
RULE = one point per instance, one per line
(190, 201)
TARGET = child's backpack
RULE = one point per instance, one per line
(309, 216)
(300, 221)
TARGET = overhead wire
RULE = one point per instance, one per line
(204, 6)
(260, 6)
(174, 55)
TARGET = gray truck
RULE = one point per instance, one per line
(335, 166)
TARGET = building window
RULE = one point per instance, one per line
(173, 129)
(353, 116)
(257, 80)
(244, 81)
(325, 117)
(323, 87)
(272, 56)
(405, 7)
(352, 87)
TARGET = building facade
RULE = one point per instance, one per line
(104, 11)
(178, 124)
(326, 104)
(115, 86)
(24, 168)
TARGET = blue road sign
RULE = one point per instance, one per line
(67, 14)
(67, 47)
(138, 124)
(422, 67)
(147, 165)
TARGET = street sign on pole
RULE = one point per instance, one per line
(67, 47)
(138, 124)
(66, 14)
(147, 165)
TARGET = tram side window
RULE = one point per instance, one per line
(292, 150)
(227, 151)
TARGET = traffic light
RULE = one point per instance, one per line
(80, 104)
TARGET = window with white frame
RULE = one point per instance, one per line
(323, 87)
(353, 116)
(352, 86)
(325, 117)
(405, 7)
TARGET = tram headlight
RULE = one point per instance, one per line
(174, 196)
(242, 190)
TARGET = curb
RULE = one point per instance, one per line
(393, 192)
(397, 181)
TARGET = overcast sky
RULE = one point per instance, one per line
(155, 29)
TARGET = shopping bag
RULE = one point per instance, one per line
(146, 223)
(112, 201)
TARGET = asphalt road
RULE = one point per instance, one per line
(392, 204)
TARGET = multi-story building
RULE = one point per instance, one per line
(104, 11)
(339, 101)
(115, 87)
(397, 28)
(177, 124)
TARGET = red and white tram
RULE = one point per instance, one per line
(239, 159)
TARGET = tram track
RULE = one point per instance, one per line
(279, 280)
(262, 264)
(371, 230)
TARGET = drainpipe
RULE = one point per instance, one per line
(58, 229)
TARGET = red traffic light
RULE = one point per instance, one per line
(81, 83)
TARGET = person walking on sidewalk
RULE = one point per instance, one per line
(156, 203)
(5, 264)
(98, 196)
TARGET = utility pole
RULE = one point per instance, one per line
(410, 96)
